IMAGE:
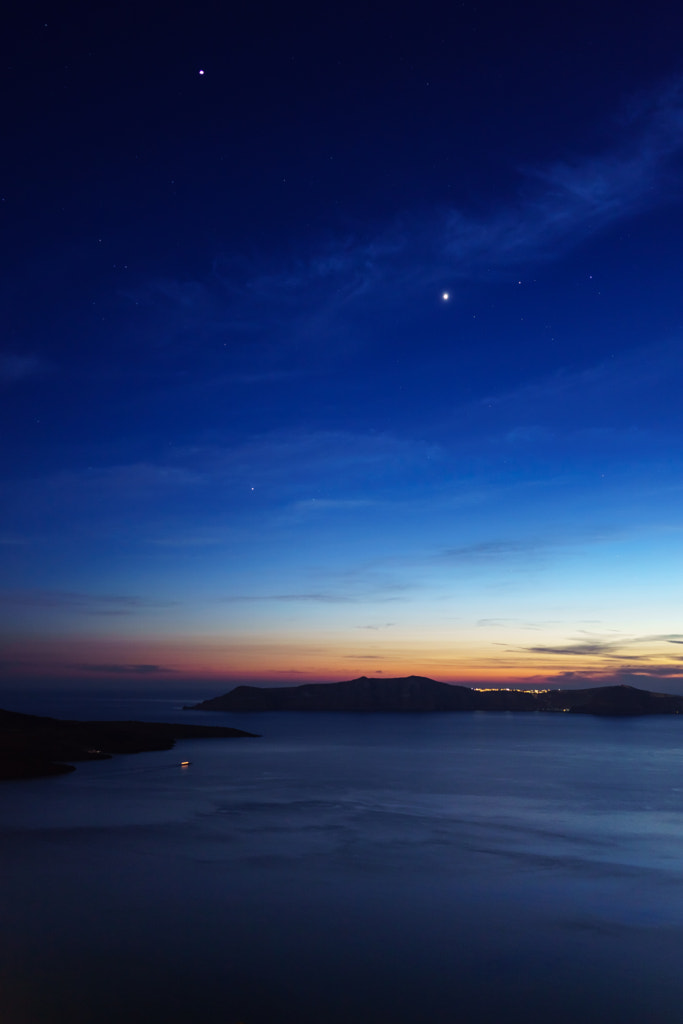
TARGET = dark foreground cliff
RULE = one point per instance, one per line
(417, 693)
(32, 746)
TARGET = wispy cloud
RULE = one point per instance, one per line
(626, 676)
(605, 647)
(125, 669)
(302, 311)
(491, 551)
(188, 539)
(582, 648)
(300, 473)
(365, 657)
(319, 598)
(17, 366)
(494, 623)
(629, 377)
(94, 604)
(295, 458)
(568, 201)
(320, 506)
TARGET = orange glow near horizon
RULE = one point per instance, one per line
(215, 662)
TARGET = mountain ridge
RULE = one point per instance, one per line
(420, 693)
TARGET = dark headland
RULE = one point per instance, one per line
(417, 693)
(32, 746)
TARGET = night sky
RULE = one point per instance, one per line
(342, 339)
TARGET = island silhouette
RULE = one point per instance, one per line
(32, 746)
(419, 693)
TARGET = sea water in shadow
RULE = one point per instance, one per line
(373, 868)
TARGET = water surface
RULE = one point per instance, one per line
(369, 868)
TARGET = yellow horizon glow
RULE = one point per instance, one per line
(288, 660)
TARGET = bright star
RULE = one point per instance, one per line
(445, 296)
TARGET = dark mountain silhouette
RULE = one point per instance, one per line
(31, 746)
(418, 693)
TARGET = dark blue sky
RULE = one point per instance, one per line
(245, 434)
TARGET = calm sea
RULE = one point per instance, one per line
(374, 869)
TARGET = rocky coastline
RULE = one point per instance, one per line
(32, 746)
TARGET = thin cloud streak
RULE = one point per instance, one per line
(309, 304)
(124, 669)
(315, 598)
(115, 603)
(19, 366)
(606, 648)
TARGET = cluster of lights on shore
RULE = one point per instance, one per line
(506, 689)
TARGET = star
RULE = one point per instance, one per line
(445, 296)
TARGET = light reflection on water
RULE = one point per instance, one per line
(372, 868)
